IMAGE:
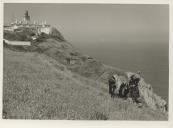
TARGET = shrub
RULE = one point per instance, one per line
(42, 37)
(20, 36)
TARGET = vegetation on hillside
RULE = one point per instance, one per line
(26, 34)
(51, 79)
(35, 86)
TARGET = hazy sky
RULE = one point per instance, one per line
(89, 23)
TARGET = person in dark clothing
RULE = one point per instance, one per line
(123, 92)
(134, 93)
(112, 85)
(133, 87)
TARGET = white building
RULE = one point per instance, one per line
(44, 29)
(26, 22)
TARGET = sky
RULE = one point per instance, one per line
(103, 23)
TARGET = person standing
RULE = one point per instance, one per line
(133, 86)
(112, 85)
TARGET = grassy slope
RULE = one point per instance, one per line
(36, 86)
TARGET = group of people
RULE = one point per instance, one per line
(125, 89)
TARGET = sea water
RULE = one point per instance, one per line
(152, 59)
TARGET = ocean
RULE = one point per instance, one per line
(152, 59)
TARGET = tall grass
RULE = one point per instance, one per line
(36, 86)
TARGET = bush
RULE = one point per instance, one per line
(20, 36)
(42, 37)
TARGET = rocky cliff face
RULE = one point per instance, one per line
(149, 97)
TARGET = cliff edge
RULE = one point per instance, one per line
(79, 69)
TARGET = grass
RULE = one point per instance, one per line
(36, 86)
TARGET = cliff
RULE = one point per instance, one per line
(82, 78)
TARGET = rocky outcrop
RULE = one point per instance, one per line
(149, 97)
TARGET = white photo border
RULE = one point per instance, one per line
(91, 124)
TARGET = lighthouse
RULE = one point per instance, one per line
(26, 18)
